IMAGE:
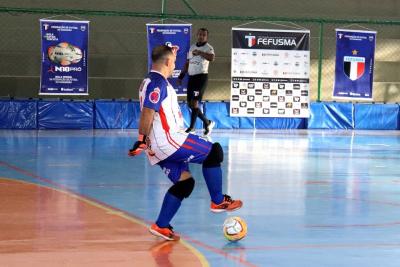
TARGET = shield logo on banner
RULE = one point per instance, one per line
(354, 67)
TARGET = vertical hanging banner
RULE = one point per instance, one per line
(64, 69)
(355, 52)
(174, 35)
(270, 73)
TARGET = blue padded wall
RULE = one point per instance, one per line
(219, 113)
(119, 114)
(280, 123)
(65, 114)
(18, 114)
(376, 116)
(331, 115)
(110, 114)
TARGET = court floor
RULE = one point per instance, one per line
(311, 198)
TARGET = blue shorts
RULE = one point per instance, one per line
(195, 149)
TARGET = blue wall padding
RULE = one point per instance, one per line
(246, 122)
(219, 113)
(186, 116)
(110, 114)
(116, 114)
(280, 123)
(65, 115)
(331, 115)
(18, 114)
(376, 116)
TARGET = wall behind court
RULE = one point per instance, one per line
(118, 51)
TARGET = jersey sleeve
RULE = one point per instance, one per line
(156, 92)
(210, 50)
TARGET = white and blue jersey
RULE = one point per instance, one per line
(172, 148)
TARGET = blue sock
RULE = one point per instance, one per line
(213, 177)
(168, 210)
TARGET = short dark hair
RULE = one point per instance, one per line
(203, 30)
(160, 52)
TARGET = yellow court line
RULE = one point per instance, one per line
(109, 210)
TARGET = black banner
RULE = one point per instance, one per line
(276, 40)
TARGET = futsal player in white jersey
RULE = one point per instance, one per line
(199, 57)
(162, 136)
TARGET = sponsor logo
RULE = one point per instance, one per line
(250, 98)
(354, 67)
(83, 28)
(281, 98)
(273, 105)
(248, 72)
(258, 104)
(186, 30)
(266, 85)
(276, 41)
(296, 86)
(243, 91)
(235, 85)
(304, 92)
(296, 111)
(251, 40)
(296, 99)
(67, 69)
(265, 110)
(340, 35)
(154, 96)
(274, 92)
(235, 98)
(258, 92)
(289, 105)
(152, 30)
(250, 85)
(266, 98)
(235, 111)
(289, 92)
(250, 111)
(281, 86)
(243, 104)
(304, 105)
(281, 111)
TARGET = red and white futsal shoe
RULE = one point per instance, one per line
(167, 233)
(228, 204)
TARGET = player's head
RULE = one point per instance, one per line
(202, 35)
(163, 59)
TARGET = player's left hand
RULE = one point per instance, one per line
(138, 147)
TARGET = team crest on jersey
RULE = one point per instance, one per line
(155, 96)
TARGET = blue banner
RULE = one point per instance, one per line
(175, 35)
(64, 57)
(355, 51)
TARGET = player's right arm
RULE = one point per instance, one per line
(183, 72)
(153, 95)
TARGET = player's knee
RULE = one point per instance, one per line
(182, 189)
(215, 157)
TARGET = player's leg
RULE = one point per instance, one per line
(210, 155)
(179, 174)
(191, 92)
(212, 173)
(202, 82)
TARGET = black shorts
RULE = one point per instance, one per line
(196, 86)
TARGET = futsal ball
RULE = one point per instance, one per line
(64, 54)
(235, 228)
